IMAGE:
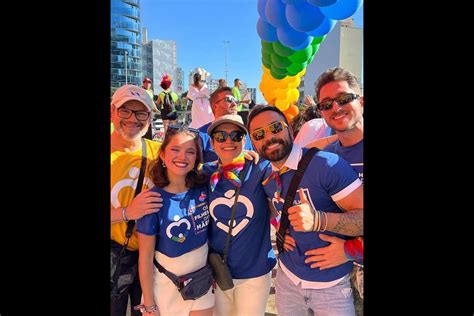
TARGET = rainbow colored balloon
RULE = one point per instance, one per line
(291, 32)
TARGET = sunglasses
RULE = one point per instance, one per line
(274, 128)
(229, 99)
(221, 136)
(127, 113)
(342, 99)
(172, 129)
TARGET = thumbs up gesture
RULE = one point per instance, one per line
(301, 216)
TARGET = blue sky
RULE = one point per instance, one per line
(200, 29)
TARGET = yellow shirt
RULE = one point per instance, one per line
(124, 171)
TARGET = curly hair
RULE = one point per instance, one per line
(159, 173)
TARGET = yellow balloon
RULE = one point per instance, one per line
(282, 94)
(295, 83)
(294, 94)
(282, 105)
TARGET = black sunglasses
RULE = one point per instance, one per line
(221, 136)
(342, 99)
(274, 128)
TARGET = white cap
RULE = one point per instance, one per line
(131, 92)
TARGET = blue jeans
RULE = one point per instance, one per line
(292, 300)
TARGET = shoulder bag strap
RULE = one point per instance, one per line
(141, 176)
(242, 175)
(290, 197)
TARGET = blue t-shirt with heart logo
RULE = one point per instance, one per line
(182, 222)
(250, 253)
(328, 178)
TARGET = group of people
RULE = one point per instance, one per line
(198, 181)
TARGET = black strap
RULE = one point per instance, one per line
(141, 176)
(290, 197)
(242, 175)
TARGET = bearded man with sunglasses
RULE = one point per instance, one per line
(131, 111)
(329, 190)
(250, 256)
(222, 103)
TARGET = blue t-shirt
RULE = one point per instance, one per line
(250, 253)
(326, 175)
(182, 222)
(208, 152)
(353, 154)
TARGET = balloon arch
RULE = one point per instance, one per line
(291, 32)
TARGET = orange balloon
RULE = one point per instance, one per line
(292, 110)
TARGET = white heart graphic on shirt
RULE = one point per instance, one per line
(228, 200)
(181, 237)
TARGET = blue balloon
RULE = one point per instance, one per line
(275, 13)
(324, 28)
(342, 9)
(293, 39)
(303, 17)
(261, 8)
(266, 31)
(293, 1)
(304, 44)
(321, 3)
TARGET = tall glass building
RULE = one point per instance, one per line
(125, 46)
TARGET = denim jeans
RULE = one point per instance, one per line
(292, 300)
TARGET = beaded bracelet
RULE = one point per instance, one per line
(146, 309)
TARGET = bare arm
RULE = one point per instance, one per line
(144, 203)
(323, 142)
(349, 223)
(146, 252)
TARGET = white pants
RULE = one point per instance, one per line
(248, 297)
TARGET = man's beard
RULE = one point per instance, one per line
(278, 154)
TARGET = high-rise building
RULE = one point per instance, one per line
(253, 93)
(213, 85)
(178, 81)
(125, 43)
(343, 47)
(159, 58)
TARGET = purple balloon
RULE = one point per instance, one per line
(275, 13)
(291, 38)
(342, 9)
(321, 3)
(266, 31)
(261, 8)
(325, 27)
(303, 17)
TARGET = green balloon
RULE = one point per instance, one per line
(267, 57)
(317, 40)
(266, 64)
(295, 68)
(315, 50)
(282, 50)
(268, 47)
(310, 60)
(301, 56)
(276, 76)
(280, 62)
(278, 70)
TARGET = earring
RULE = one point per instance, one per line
(163, 164)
